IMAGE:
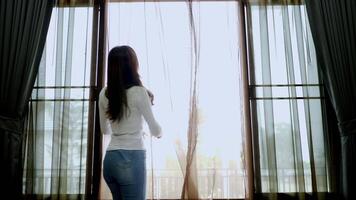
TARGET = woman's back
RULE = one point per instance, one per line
(127, 132)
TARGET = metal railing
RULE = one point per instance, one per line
(212, 183)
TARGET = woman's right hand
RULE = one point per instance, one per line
(150, 94)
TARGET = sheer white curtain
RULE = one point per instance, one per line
(56, 143)
(189, 59)
(288, 126)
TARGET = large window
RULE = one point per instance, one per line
(175, 44)
(57, 147)
(290, 152)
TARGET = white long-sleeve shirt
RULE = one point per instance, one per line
(127, 133)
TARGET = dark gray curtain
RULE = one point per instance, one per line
(333, 24)
(23, 29)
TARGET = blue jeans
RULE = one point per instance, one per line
(125, 174)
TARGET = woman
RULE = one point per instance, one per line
(121, 106)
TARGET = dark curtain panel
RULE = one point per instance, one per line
(23, 29)
(333, 24)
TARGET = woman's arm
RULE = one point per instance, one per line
(144, 106)
(104, 121)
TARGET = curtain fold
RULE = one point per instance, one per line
(23, 29)
(190, 183)
(333, 27)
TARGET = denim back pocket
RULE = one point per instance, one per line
(118, 167)
(124, 168)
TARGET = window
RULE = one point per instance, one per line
(57, 149)
(286, 98)
(286, 102)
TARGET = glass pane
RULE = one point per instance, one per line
(282, 43)
(286, 135)
(68, 47)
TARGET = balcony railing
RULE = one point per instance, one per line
(212, 183)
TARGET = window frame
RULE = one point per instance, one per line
(97, 76)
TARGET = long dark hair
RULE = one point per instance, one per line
(122, 74)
